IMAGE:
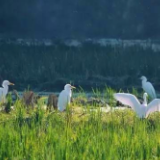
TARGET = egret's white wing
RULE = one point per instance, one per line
(63, 100)
(153, 107)
(148, 87)
(129, 100)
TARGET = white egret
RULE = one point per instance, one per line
(148, 87)
(142, 110)
(65, 97)
(4, 90)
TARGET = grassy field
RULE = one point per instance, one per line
(77, 134)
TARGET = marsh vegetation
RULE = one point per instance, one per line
(84, 131)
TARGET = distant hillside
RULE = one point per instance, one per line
(125, 19)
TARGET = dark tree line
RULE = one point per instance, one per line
(128, 19)
(49, 68)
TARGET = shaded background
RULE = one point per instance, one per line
(48, 68)
(125, 19)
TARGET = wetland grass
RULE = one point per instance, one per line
(39, 135)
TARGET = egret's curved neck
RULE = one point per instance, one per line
(144, 80)
(5, 90)
(68, 90)
(145, 99)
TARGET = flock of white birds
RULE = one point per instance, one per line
(142, 110)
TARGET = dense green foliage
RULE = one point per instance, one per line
(50, 67)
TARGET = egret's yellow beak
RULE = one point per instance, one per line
(73, 87)
(11, 84)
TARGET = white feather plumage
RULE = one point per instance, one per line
(148, 87)
(64, 98)
(142, 110)
(4, 89)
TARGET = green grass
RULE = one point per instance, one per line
(78, 134)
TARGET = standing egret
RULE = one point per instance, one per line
(65, 97)
(142, 110)
(4, 90)
(148, 87)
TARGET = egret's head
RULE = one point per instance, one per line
(143, 78)
(145, 95)
(68, 87)
(6, 83)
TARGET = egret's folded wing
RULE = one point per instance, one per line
(150, 90)
(153, 107)
(128, 99)
(153, 92)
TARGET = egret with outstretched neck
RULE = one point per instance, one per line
(142, 110)
(64, 98)
(4, 89)
(148, 87)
